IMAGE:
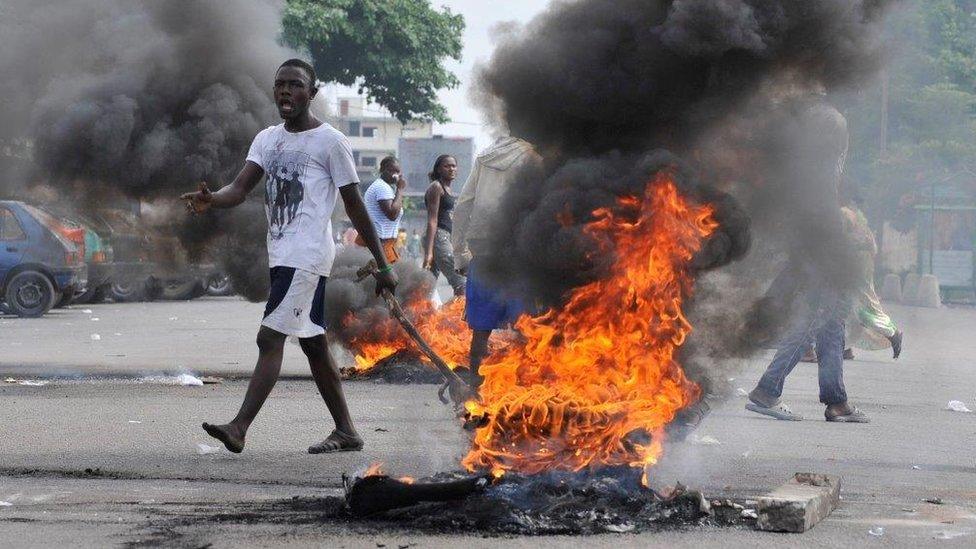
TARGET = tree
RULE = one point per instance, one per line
(932, 102)
(393, 50)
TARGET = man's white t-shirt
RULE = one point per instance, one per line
(381, 190)
(304, 172)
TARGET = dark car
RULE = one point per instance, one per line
(38, 264)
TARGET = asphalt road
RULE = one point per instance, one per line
(103, 455)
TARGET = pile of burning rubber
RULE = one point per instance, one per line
(573, 413)
(611, 500)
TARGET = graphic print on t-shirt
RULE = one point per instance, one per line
(284, 190)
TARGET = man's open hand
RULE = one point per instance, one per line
(200, 201)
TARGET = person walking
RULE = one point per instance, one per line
(438, 253)
(301, 249)
(820, 293)
(869, 326)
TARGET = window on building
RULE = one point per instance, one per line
(369, 132)
(369, 162)
(354, 128)
(355, 157)
(344, 107)
(9, 226)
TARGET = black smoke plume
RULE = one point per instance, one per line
(138, 99)
(734, 89)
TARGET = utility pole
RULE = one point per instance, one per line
(883, 149)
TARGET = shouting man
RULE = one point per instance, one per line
(300, 248)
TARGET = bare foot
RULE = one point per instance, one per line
(230, 435)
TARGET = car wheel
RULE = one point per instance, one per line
(30, 294)
(180, 290)
(219, 285)
(126, 290)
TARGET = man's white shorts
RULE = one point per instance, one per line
(296, 303)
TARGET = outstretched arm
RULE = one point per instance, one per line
(227, 197)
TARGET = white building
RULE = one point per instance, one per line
(373, 133)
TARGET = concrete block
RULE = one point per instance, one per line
(800, 504)
(928, 292)
(909, 294)
(891, 289)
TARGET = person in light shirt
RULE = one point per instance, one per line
(384, 202)
(306, 165)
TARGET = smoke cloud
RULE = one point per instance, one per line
(138, 99)
(735, 90)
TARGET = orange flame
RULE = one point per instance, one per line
(374, 470)
(444, 329)
(602, 368)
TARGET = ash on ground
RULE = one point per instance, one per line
(403, 367)
(557, 504)
(550, 504)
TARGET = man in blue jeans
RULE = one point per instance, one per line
(822, 323)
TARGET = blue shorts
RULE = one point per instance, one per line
(296, 303)
(485, 308)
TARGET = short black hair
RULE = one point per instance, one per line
(304, 65)
(387, 161)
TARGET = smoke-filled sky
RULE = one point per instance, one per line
(732, 89)
(145, 96)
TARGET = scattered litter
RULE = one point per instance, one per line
(10, 380)
(134, 421)
(749, 514)
(916, 467)
(188, 380)
(211, 380)
(381, 430)
(204, 449)
(958, 406)
(118, 334)
(747, 453)
(706, 440)
(950, 535)
(877, 531)
(32, 383)
(742, 392)
(174, 318)
(96, 337)
(87, 311)
(934, 501)
(619, 528)
(908, 510)
(95, 319)
(6, 504)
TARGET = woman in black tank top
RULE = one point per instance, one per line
(438, 252)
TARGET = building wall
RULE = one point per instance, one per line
(417, 156)
(373, 133)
